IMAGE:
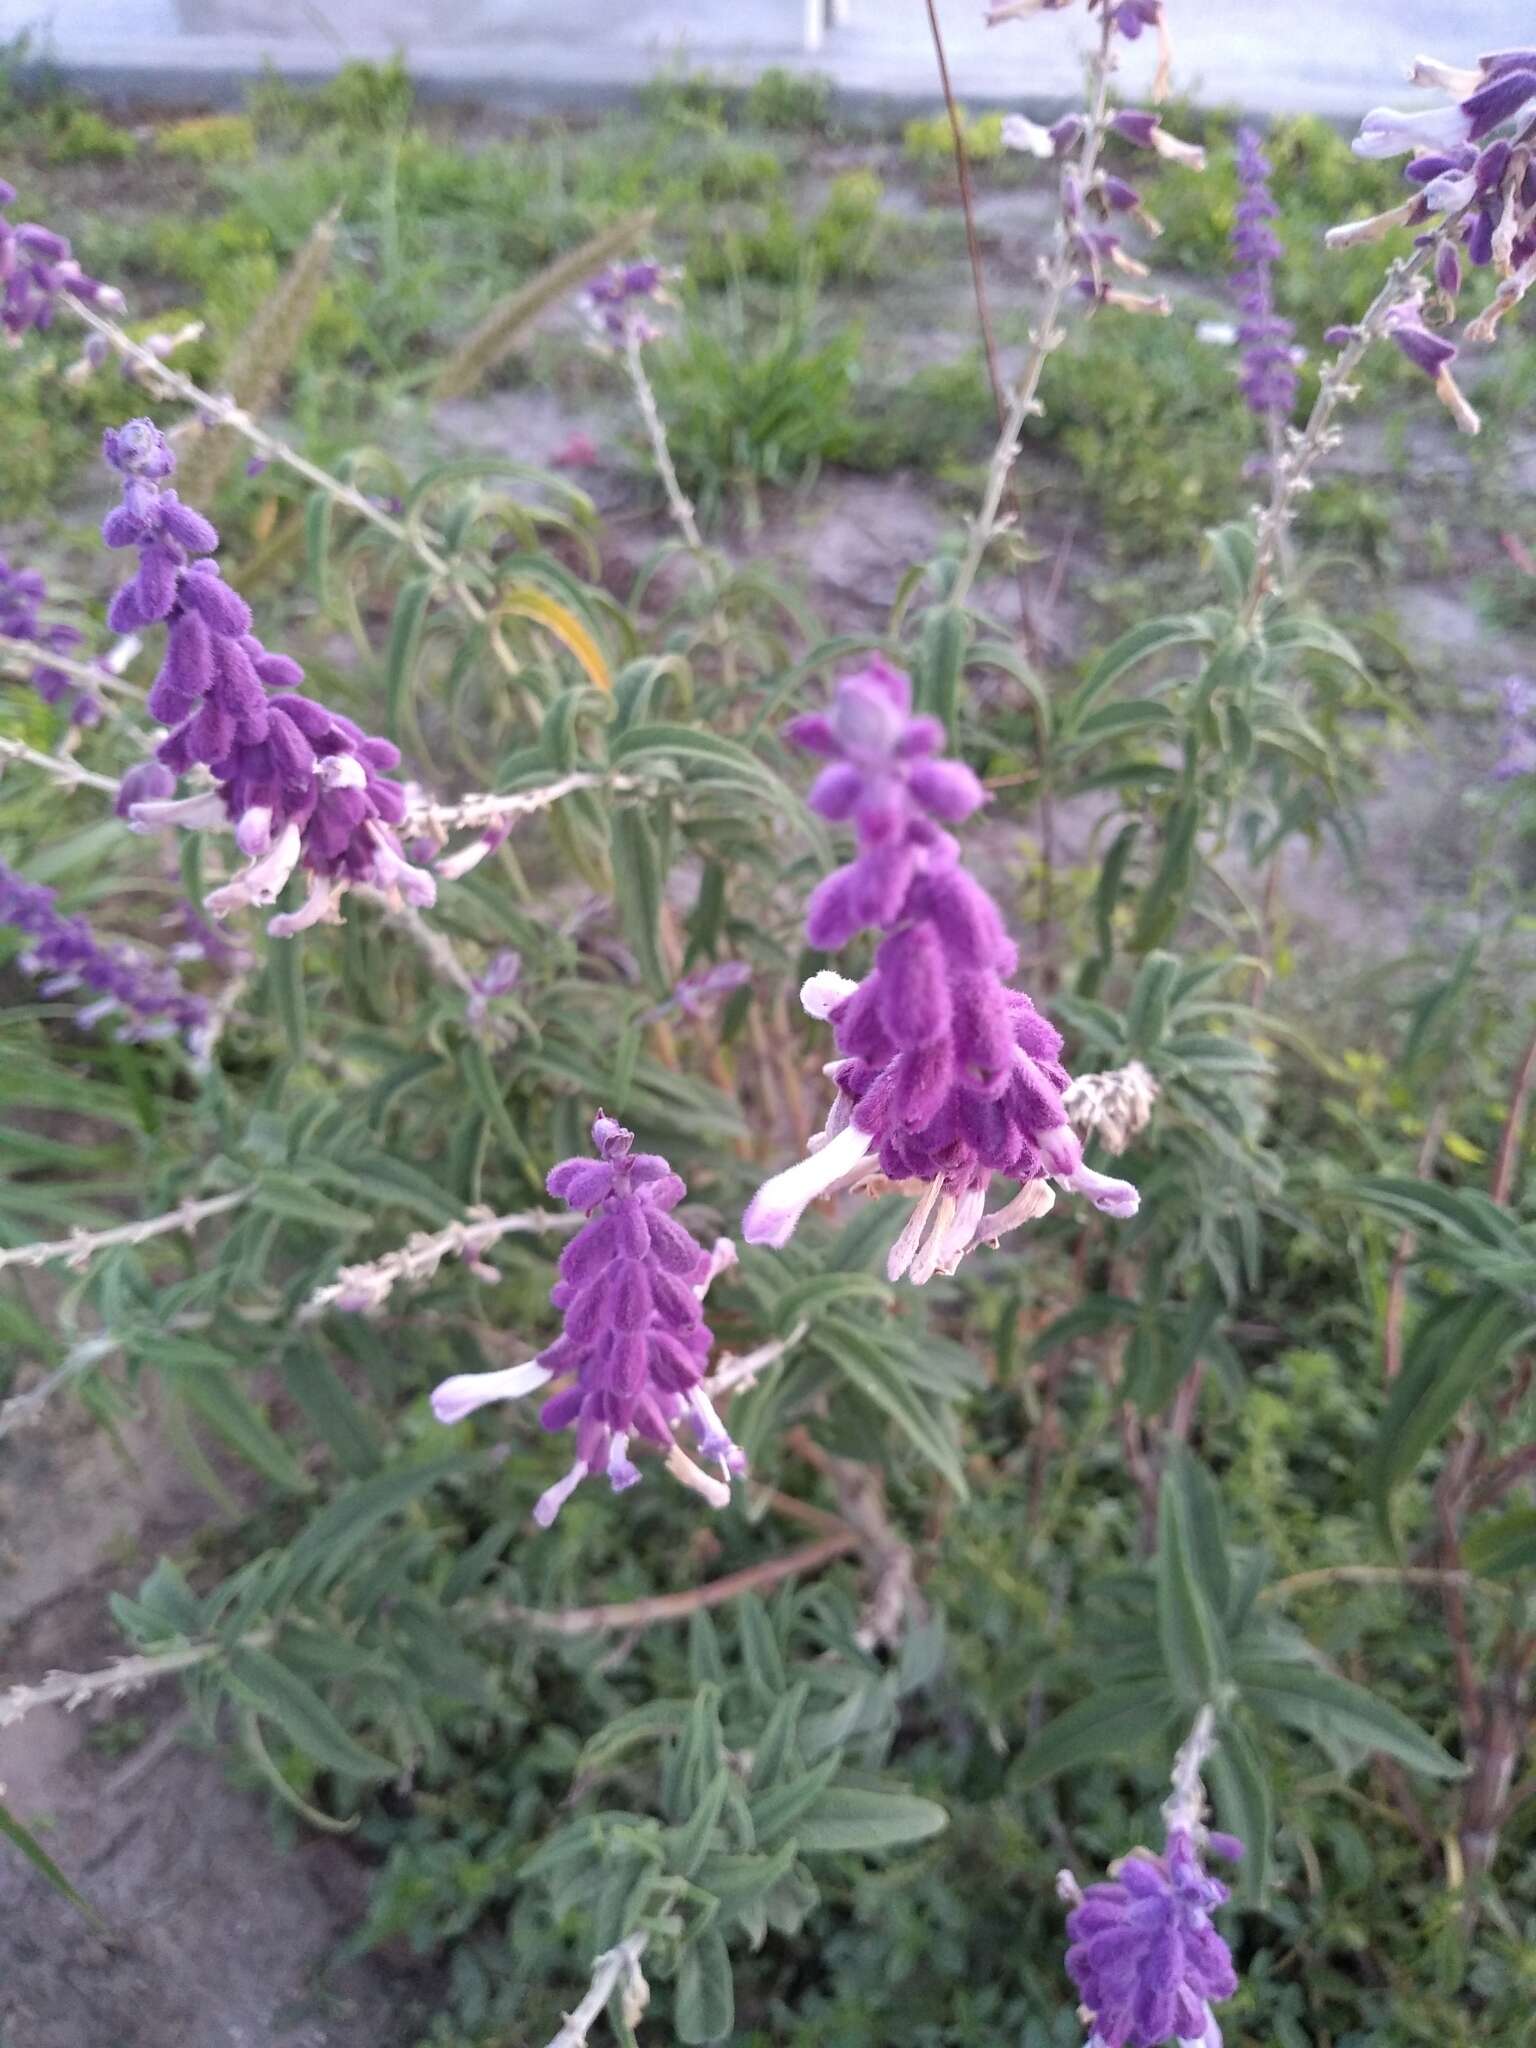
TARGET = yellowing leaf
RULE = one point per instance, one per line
(1463, 1149)
(528, 601)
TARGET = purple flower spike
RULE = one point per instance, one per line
(37, 267)
(946, 1076)
(1144, 1956)
(303, 787)
(23, 594)
(635, 1345)
(65, 954)
(616, 300)
(1268, 375)
(1518, 755)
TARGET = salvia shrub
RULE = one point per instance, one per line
(466, 1065)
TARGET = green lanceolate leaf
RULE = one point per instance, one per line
(1114, 1721)
(400, 660)
(941, 658)
(230, 1412)
(23, 1839)
(849, 1817)
(1239, 1785)
(637, 881)
(1162, 901)
(1452, 1352)
(1156, 636)
(706, 1998)
(285, 984)
(274, 1692)
(1502, 1545)
(1323, 1705)
(1188, 1621)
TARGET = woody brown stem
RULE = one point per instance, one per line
(1509, 1143)
(629, 1614)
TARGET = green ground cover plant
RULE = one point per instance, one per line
(993, 1463)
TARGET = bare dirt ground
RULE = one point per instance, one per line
(217, 1936)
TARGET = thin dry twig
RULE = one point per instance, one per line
(1397, 1283)
(1514, 1121)
(368, 1285)
(585, 1621)
(58, 767)
(82, 1245)
(616, 1969)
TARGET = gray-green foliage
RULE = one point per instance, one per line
(1123, 1460)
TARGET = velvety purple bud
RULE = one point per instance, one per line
(188, 667)
(562, 1409)
(1428, 352)
(859, 1023)
(1448, 269)
(587, 1313)
(982, 1038)
(206, 592)
(629, 1296)
(813, 731)
(836, 791)
(673, 1249)
(277, 671)
(293, 758)
(865, 717)
(967, 920)
(923, 1076)
(831, 918)
(1439, 164)
(665, 1191)
(882, 809)
(1491, 166)
(676, 1304)
(123, 613)
(1135, 125)
(149, 782)
(627, 1362)
(157, 581)
(914, 994)
(138, 448)
(631, 1237)
(1122, 197)
(1497, 102)
(166, 703)
(921, 737)
(186, 527)
(885, 680)
(211, 732)
(580, 1183)
(239, 690)
(120, 528)
(378, 753)
(1480, 233)
(946, 789)
(881, 878)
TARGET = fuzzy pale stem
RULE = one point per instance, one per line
(1047, 333)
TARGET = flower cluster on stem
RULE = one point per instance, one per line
(634, 1345)
(23, 593)
(302, 786)
(1085, 250)
(1143, 1954)
(947, 1078)
(1267, 378)
(37, 271)
(65, 955)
